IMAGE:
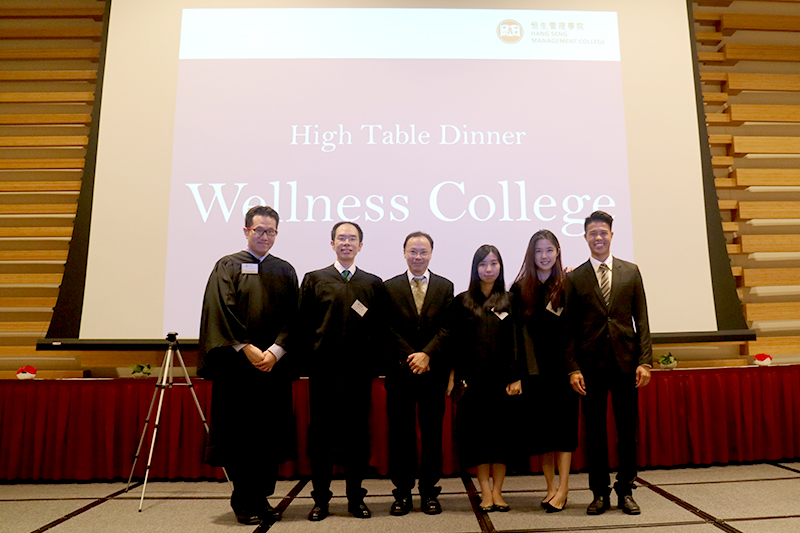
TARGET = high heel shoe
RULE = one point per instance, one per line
(546, 503)
(553, 509)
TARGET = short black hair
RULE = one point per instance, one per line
(417, 234)
(343, 222)
(598, 216)
(260, 211)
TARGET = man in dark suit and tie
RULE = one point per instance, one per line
(417, 376)
(608, 351)
(341, 329)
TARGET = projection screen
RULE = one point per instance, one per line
(477, 122)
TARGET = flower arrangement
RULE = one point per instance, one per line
(667, 361)
(762, 359)
(140, 370)
(26, 372)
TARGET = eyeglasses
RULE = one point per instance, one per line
(261, 231)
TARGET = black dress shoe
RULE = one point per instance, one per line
(629, 505)
(401, 506)
(249, 520)
(599, 505)
(268, 512)
(319, 512)
(359, 509)
(431, 506)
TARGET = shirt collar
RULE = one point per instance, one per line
(248, 250)
(338, 266)
(596, 264)
(426, 276)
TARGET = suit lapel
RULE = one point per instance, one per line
(408, 295)
(616, 279)
(591, 279)
(430, 294)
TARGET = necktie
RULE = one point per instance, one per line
(418, 290)
(605, 283)
(346, 275)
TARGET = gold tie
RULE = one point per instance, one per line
(418, 290)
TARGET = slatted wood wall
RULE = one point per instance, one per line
(749, 55)
(48, 68)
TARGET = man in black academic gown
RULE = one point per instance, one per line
(608, 352)
(249, 306)
(416, 379)
(340, 324)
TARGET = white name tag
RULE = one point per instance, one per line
(359, 308)
(502, 315)
(556, 312)
(249, 268)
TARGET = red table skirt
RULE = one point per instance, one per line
(89, 429)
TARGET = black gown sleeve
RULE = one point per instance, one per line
(219, 325)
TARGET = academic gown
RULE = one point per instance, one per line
(342, 339)
(485, 355)
(341, 329)
(548, 391)
(251, 411)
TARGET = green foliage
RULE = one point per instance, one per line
(666, 359)
(141, 369)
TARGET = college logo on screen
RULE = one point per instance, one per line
(509, 31)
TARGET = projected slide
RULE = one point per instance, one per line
(473, 126)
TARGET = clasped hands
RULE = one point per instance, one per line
(263, 361)
(419, 362)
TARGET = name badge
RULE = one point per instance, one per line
(556, 312)
(502, 315)
(359, 308)
(249, 268)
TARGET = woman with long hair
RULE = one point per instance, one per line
(486, 374)
(539, 300)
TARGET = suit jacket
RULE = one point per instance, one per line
(600, 334)
(410, 331)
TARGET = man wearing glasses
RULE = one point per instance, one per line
(342, 328)
(250, 303)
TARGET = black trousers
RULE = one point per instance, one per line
(339, 427)
(625, 403)
(409, 396)
(253, 480)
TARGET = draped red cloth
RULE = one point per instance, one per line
(90, 429)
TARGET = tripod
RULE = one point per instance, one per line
(163, 382)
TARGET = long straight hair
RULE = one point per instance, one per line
(498, 299)
(528, 281)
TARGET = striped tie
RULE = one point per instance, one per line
(605, 283)
(346, 275)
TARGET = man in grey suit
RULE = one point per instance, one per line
(416, 379)
(608, 351)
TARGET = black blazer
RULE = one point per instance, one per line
(411, 332)
(600, 334)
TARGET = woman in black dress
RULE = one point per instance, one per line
(539, 299)
(481, 338)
